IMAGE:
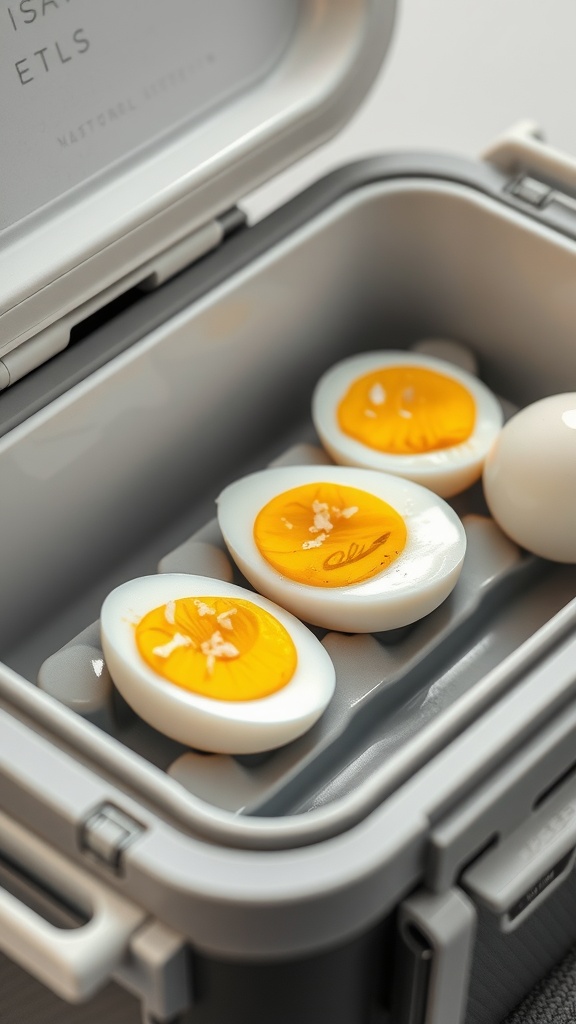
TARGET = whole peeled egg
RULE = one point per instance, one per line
(530, 478)
(410, 414)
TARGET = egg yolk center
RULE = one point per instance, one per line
(218, 647)
(328, 535)
(407, 410)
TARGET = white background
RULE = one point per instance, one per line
(459, 72)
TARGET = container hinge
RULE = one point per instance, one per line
(107, 833)
(530, 190)
(559, 207)
(553, 207)
(192, 248)
(537, 175)
(158, 970)
(39, 348)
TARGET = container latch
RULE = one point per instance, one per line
(107, 833)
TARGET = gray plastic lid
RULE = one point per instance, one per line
(125, 129)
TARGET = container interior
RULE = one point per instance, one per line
(118, 478)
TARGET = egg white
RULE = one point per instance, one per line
(530, 478)
(220, 726)
(414, 584)
(446, 471)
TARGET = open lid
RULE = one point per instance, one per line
(125, 132)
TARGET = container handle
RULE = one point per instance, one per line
(73, 963)
(522, 148)
(436, 940)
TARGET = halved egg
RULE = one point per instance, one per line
(213, 665)
(345, 548)
(409, 414)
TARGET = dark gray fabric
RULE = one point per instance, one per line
(553, 1000)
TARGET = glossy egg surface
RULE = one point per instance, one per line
(530, 478)
(409, 414)
(213, 665)
(345, 548)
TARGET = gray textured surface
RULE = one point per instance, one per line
(553, 1000)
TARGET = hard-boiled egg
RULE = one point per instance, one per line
(530, 478)
(409, 414)
(212, 665)
(345, 548)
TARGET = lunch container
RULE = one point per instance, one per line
(410, 859)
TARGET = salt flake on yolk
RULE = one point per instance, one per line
(407, 410)
(387, 551)
(256, 645)
(409, 414)
(340, 535)
(182, 642)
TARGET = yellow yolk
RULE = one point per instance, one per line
(407, 410)
(327, 535)
(218, 647)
